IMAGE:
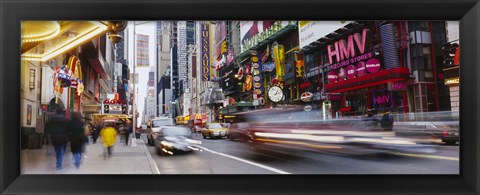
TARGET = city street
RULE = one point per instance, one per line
(308, 97)
(222, 156)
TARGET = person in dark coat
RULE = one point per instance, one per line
(59, 135)
(370, 122)
(128, 130)
(387, 121)
(96, 132)
(77, 138)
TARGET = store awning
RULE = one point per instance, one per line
(93, 108)
(111, 117)
(43, 40)
(378, 78)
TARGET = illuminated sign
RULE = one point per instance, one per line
(205, 51)
(397, 86)
(342, 52)
(452, 81)
(373, 65)
(382, 99)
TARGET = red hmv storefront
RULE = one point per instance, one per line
(381, 91)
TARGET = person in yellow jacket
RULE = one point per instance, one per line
(109, 137)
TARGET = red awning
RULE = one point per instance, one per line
(378, 78)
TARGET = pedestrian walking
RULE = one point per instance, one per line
(59, 135)
(77, 137)
(96, 132)
(387, 121)
(109, 137)
(128, 130)
(370, 122)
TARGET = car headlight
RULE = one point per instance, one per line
(192, 141)
(166, 144)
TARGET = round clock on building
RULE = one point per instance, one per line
(275, 94)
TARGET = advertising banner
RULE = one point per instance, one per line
(220, 35)
(311, 31)
(254, 32)
(142, 51)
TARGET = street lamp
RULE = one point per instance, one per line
(134, 108)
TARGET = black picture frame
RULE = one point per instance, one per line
(12, 12)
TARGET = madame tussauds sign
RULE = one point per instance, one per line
(205, 52)
(343, 53)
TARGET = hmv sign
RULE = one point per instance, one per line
(382, 99)
(397, 86)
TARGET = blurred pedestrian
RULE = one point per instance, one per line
(109, 137)
(387, 121)
(96, 132)
(77, 138)
(59, 135)
(128, 130)
(370, 121)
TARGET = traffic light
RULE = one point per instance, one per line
(448, 52)
(299, 65)
(300, 71)
(106, 109)
(224, 47)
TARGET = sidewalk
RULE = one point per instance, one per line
(125, 160)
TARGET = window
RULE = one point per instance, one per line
(427, 58)
(310, 61)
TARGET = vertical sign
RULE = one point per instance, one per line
(194, 66)
(142, 51)
(205, 51)
(29, 114)
(220, 36)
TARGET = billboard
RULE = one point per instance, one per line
(310, 31)
(142, 51)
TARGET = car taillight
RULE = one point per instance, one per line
(445, 133)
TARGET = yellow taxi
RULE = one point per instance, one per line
(215, 130)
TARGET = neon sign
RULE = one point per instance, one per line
(341, 52)
(383, 99)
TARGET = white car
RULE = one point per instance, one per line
(155, 126)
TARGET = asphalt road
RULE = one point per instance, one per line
(221, 156)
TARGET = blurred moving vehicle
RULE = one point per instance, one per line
(155, 125)
(289, 130)
(239, 131)
(214, 130)
(174, 139)
(197, 129)
(433, 126)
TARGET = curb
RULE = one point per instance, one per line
(151, 162)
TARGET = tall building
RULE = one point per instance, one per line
(150, 110)
(164, 31)
(452, 68)
(186, 37)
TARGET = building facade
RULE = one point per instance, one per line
(69, 76)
